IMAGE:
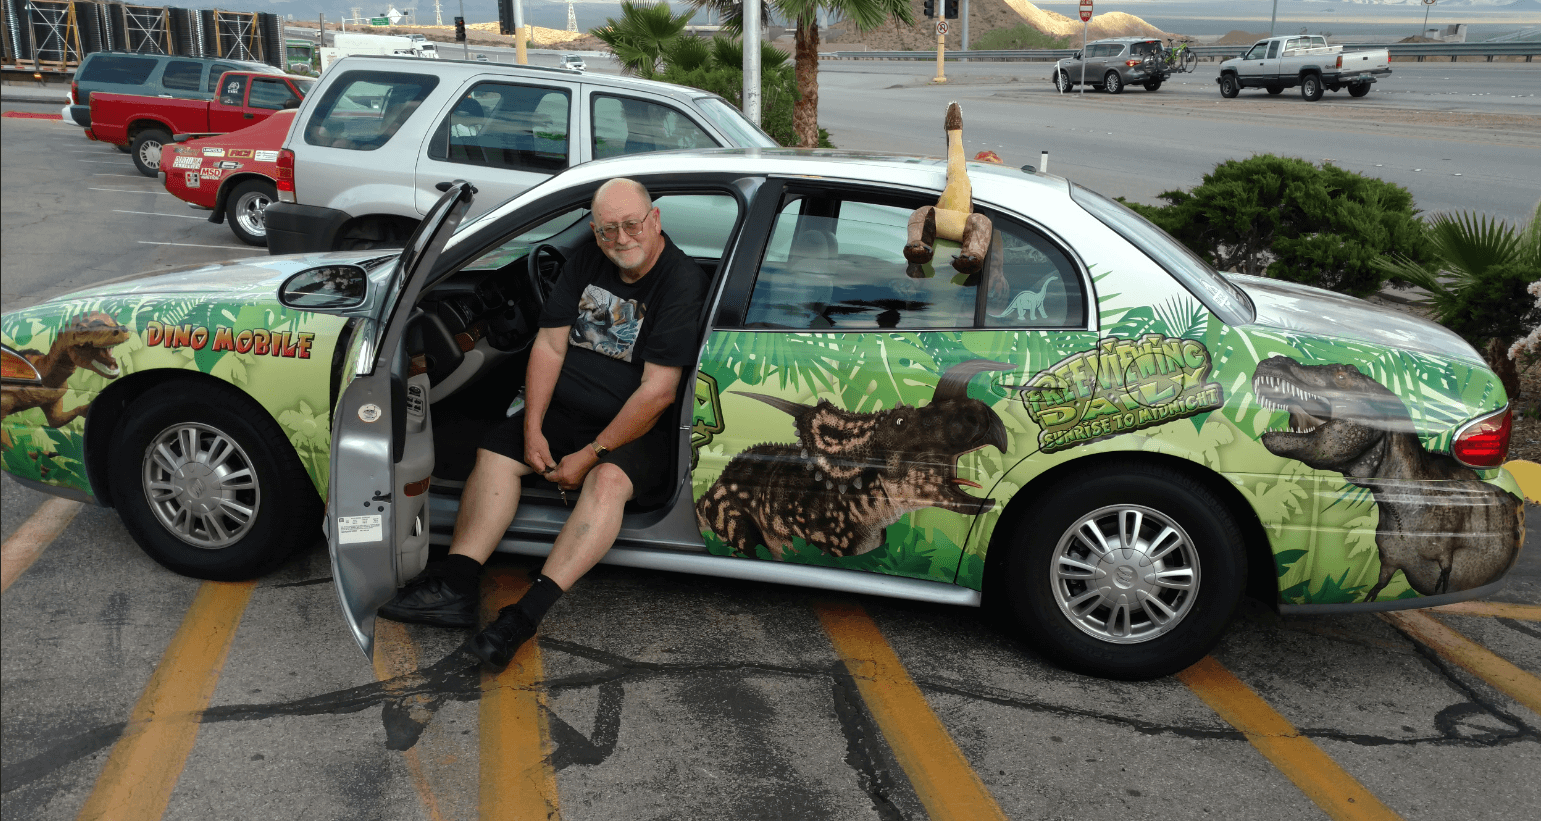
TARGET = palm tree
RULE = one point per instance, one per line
(1477, 286)
(642, 36)
(804, 14)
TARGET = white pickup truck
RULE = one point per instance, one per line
(1306, 61)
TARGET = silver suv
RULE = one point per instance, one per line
(374, 139)
(1114, 64)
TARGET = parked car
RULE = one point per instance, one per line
(372, 143)
(153, 75)
(234, 176)
(1096, 430)
(1306, 61)
(146, 124)
(573, 61)
(1113, 64)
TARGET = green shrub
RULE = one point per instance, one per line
(1285, 218)
(1023, 36)
(717, 66)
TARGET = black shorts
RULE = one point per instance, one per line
(645, 460)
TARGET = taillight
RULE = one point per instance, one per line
(1484, 442)
(15, 368)
(1340, 61)
(286, 176)
(1131, 63)
(75, 93)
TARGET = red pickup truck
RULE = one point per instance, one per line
(145, 124)
(234, 175)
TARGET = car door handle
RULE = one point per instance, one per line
(444, 186)
(247, 116)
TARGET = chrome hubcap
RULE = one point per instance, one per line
(250, 210)
(150, 154)
(201, 485)
(1125, 574)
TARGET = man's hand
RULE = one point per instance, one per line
(537, 453)
(573, 467)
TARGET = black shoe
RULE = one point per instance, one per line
(430, 599)
(496, 645)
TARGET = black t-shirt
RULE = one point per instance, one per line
(617, 326)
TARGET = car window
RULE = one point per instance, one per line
(362, 110)
(304, 86)
(183, 75)
(273, 94)
(627, 125)
(111, 68)
(215, 72)
(732, 122)
(520, 244)
(232, 90)
(503, 125)
(1273, 49)
(1258, 52)
(839, 265)
(700, 224)
(1030, 282)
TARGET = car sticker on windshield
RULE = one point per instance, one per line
(243, 153)
(265, 156)
(228, 165)
(213, 152)
(187, 162)
(190, 179)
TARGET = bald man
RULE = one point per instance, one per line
(615, 336)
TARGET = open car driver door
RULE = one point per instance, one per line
(382, 439)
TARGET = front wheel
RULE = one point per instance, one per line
(1358, 89)
(1062, 82)
(1228, 86)
(1311, 88)
(1190, 61)
(1125, 572)
(146, 150)
(208, 485)
(245, 209)
(1113, 83)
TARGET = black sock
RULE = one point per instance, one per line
(462, 572)
(538, 599)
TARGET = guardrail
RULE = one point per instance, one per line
(1207, 53)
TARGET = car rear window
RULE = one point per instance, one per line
(118, 70)
(361, 110)
(183, 75)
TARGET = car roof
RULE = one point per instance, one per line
(467, 68)
(1126, 40)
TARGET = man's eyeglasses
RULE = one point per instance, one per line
(610, 233)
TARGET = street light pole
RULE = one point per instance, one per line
(1274, 18)
(751, 23)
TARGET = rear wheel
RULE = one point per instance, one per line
(245, 208)
(1113, 83)
(1311, 88)
(208, 484)
(1127, 572)
(146, 150)
(1275, 90)
(1228, 86)
(1358, 89)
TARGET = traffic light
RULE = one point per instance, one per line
(951, 9)
(930, 8)
(506, 16)
(460, 29)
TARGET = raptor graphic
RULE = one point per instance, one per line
(1441, 525)
(86, 342)
(851, 475)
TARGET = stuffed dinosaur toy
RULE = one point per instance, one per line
(952, 218)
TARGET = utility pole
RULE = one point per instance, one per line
(752, 60)
(964, 22)
(1274, 18)
(438, 14)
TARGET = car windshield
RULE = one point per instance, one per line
(1217, 293)
(731, 122)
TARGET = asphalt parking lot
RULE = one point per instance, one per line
(129, 692)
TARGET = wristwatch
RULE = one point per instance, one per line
(599, 450)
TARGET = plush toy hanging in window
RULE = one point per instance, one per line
(952, 219)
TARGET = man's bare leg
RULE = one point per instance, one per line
(487, 505)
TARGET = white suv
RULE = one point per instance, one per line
(373, 140)
(574, 62)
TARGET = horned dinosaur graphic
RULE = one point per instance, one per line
(1440, 525)
(86, 342)
(851, 475)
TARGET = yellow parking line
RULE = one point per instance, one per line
(1495, 609)
(943, 780)
(1338, 794)
(146, 762)
(28, 542)
(396, 656)
(1478, 660)
(517, 781)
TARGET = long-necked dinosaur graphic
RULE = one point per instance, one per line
(1029, 303)
(851, 475)
(1441, 525)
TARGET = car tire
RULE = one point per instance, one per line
(1153, 85)
(1228, 86)
(1113, 83)
(369, 234)
(1311, 88)
(146, 150)
(1275, 90)
(1062, 82)
(1358, 89)
(210, 522)
(1062, 595)
(244, 209)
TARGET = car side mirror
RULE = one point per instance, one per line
(1077, 56)
(326, 287)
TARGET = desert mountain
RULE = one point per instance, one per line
(984, 16)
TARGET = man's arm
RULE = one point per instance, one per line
(540, 375)
(637, 416)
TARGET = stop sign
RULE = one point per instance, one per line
(1086, 10)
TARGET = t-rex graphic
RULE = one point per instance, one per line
(1028, 303)
(1443, 527)
(86, 342)
(851, 475)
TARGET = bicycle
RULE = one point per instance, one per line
(1180, 57)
